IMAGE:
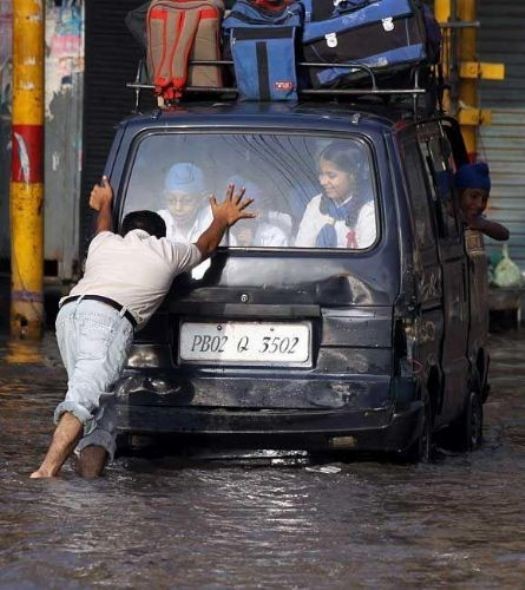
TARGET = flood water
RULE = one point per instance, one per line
(154, 524)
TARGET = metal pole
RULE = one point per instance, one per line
(468, 92)
(27, 170)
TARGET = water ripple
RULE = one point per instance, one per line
(455, 524)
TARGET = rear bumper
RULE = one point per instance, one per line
(365, 430)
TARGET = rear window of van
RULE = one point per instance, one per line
(308, 191)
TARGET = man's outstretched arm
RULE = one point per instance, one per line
(493, 229)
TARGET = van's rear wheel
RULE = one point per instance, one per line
(466, 433)
(421, 450)
(472, 423)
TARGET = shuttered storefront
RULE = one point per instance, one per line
(502, 144)
(111, 56)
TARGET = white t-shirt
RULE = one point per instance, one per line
(135, 270)
(313, 221)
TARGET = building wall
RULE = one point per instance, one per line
(502, 144)
(5, 121)
(63, 130)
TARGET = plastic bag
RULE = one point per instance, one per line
(507, 273)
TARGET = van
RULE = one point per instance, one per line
(301, 333)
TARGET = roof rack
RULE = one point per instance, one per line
(416, 91)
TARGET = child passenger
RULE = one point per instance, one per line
(184, 193)
(473, 183)
(271, 228)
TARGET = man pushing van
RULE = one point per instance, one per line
(126, 278)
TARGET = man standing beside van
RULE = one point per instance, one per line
(126, 278)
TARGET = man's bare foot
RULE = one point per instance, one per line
(40, 473)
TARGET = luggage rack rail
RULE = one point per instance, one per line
(415, 91)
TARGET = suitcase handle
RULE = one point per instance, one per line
(345, 6)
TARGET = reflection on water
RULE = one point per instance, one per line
(456, 524)
(22, 352)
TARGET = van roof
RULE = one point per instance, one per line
(303, 115)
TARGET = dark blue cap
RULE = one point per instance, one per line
(473, 176)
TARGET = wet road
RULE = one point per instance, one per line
(148, 524)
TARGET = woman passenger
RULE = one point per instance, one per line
(343, 214)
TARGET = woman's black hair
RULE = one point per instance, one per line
(345, 155)
(149, 221)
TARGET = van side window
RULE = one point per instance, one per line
(440, 180)
(418, 196)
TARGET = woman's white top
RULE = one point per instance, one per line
(314, 220)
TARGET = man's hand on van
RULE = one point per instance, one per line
(100, 200)
(225, 214)
(101, 195)
(232, 208)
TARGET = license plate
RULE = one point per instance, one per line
(248, 343)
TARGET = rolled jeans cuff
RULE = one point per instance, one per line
(84, 416)
(99, 438)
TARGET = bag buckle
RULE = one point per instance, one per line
(331, 39)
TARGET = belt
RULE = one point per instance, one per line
(105, 300)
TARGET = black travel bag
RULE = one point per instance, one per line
(389, 36)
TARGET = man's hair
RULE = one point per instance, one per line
(149, 221)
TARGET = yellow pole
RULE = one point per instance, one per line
(468, 92)
(27, 170)
(442, 12)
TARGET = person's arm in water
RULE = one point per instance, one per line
(100, 200)
(494, 230)
(225, 215)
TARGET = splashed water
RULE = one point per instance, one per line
(152, 524)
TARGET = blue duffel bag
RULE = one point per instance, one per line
(262, 45)
(389, 36)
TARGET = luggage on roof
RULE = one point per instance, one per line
(262, 38)
(282, 48)
(389, 36)
(179, 31)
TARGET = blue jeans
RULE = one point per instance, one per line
(94, 341)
